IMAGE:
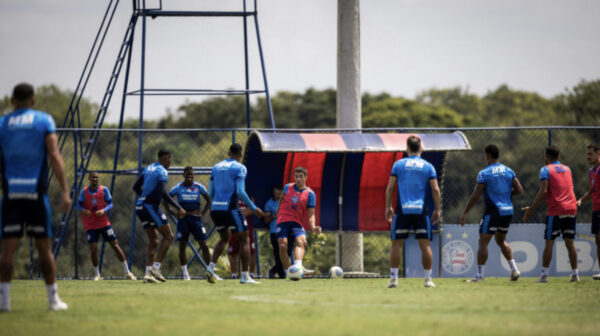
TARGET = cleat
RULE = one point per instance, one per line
(393, 283)
(130, 276)
(218, 278)
(515, 275)
(475, 279)
(57, 305)
(211, 277)
(307, 272)
(596, 276)
(157, 275)
(429, 283)
(542, 279)
(148, 278)
(97, 278)
(248, 280)
(187, 277)
(574, 278)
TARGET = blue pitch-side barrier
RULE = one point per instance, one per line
(459, 252)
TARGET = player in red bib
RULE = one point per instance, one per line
(593, 157)
(557, 187)
(296, 207)
(94, 203)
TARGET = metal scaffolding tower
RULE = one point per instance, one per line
(84, 146)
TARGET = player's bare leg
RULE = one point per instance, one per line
(9, 246)
(300, 249)
(426, 260)
(95, 262)
(163, 247)
(395, 258)
(224, 236)
(114, 244)
(183, 260)
(507, 253)
(546, 259)
(205, 250)
(150, 252)
(283, 256)
(482, 256)
(44, 249)
(570, 244)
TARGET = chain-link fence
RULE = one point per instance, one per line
(521, 149)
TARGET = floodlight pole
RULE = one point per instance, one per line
(349, 251)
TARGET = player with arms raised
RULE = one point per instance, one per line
(498, 183)
(296, 207)
(414, 176)
(593, 157)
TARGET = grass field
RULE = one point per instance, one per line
(308, 307)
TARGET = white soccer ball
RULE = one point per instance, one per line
(295, 272)
(336, 272)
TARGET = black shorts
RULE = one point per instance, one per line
(403, 224)
(35, 213)
(150, 215)
(190, 224)
(555, 225)
(492, 223)
(233, 220)
(596, 222)
(107, 232)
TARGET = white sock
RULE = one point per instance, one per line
(184, 270)
(394, 273)
(480, 271)
(298, 263)
(156, 265)
(5, 294)
(97, 270)
(245, 275)
(575, 271)
(125, 267)
(52, 291)
(148, 268)
(428, 274)
(544, 270)
(513, 265)
(211, 266)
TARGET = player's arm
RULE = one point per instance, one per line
(109, 203)
(312, 221)
(389, 195)
(137, 186)
(517, 189)
(538, 199)
(206, 204)
(170, 201)
(437, 200)
(586, 197)
(280, 200)
(58, 166)
(241, 192)
(80, 203)
(479, 187)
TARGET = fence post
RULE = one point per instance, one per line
(549, 137)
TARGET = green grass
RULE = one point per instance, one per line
(308, 307)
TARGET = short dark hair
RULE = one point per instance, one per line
(595, 147)
(92, 172)
(302, 170)
(413, 144)
(235, 149)
(23, 92)
(187, 169)
(162, 152)
(278, 186)
(552, 152)
(492, 151)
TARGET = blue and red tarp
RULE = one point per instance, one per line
(348, 172)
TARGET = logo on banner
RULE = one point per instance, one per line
(457, 257)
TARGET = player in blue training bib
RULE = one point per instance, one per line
(27, 140)
(498, 183)
(414, 177)
(151, 188)
(227, 185)
(189, 194)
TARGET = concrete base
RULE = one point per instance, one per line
(349, 251)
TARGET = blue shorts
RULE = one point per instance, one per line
(492, 223)
(555, 225)
(14, 214)
(233, 220)
(596, 222)
(150, 215)
(190, 224)
(403, 224)
(107, 232)
(290, 229)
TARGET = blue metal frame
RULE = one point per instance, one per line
(84, 146)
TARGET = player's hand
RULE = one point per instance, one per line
(389, 214)
(65, 202)
(181, 213)
(437, 215)
(258, 212)
(317, 230)
(579, 202)
(86, 212)
(463, 219)
(527, 214)
(99, 212)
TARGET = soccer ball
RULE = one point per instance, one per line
(336, 272)
(295, 272)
